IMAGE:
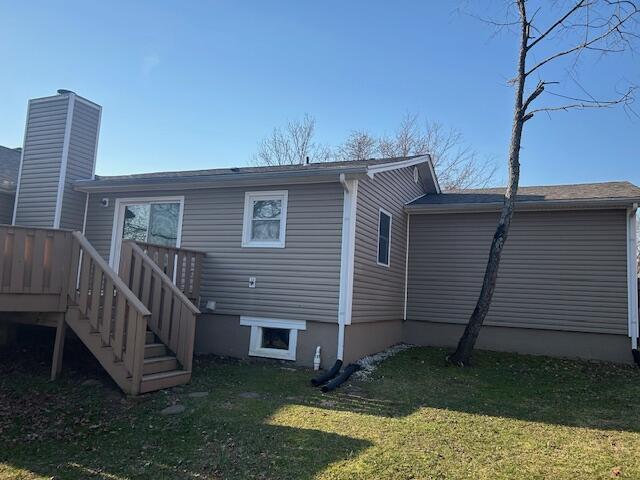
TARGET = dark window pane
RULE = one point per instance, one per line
(136, 222)
(275, 338)
(383, 251)
(384, 236)
(267, 209)
(265, 230)
(385, 223)
(163, 224)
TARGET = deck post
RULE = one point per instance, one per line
(58, 348)
(7, 333)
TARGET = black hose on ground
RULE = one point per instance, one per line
(343, 377)
(325, 377)
(636, 356)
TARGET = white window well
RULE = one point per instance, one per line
(273, 338)
(265, 219)
(384, 237)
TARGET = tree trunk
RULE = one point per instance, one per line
(462, 355)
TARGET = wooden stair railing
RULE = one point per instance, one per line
(110, 307)
(182, 265)
(58, 273)
(173, 315)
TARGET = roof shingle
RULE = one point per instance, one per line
(263, 169)
(539, 194)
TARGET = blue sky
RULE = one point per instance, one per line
(188, 85)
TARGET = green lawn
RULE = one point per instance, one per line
(508, 417)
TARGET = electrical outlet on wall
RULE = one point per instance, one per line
(252, 282)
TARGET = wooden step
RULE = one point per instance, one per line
(150, 338)
(159, 364)
(155, 350)
(158, 381)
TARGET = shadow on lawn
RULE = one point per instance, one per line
(78, 429)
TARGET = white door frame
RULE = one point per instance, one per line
(118, 217)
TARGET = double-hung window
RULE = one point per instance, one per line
(265, 219)
(384, 238)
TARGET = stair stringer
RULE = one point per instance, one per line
(104, 354)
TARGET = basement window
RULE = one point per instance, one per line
(384, 238)
(271, 338)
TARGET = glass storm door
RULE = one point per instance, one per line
(155, 222)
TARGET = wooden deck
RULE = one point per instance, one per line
(139, 324)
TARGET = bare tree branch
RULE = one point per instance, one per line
(555, 25)
(457, 165)
(359, 145)
(292, 145)
(581, 104)
(587, 43)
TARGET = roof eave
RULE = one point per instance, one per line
(574, 204)
(217, 181)
(372, 170)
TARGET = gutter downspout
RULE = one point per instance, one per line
(346, 258)
(406, 270)
(632, 275)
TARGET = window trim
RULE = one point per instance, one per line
(257, 324)
(117, 226)
(249, 198)
(388, 264)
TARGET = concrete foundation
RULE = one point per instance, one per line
(363, 339)
(554, 343)
(223, 335)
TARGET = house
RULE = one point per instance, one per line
(9, 165)
(351, 257)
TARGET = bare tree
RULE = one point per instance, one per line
(292, 145)
(572, 30)
(409, 138)
(359, 145)
(458, 166)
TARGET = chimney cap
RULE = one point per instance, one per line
(62, 91)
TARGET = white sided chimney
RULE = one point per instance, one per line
(60, 146)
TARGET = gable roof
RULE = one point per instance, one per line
(9, 166)
(551, 196)
(269, 175)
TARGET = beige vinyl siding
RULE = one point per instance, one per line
(82, 144)
(6, 207)
(299, 282)
(378, 291)
(38, 183)
(560, 270)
